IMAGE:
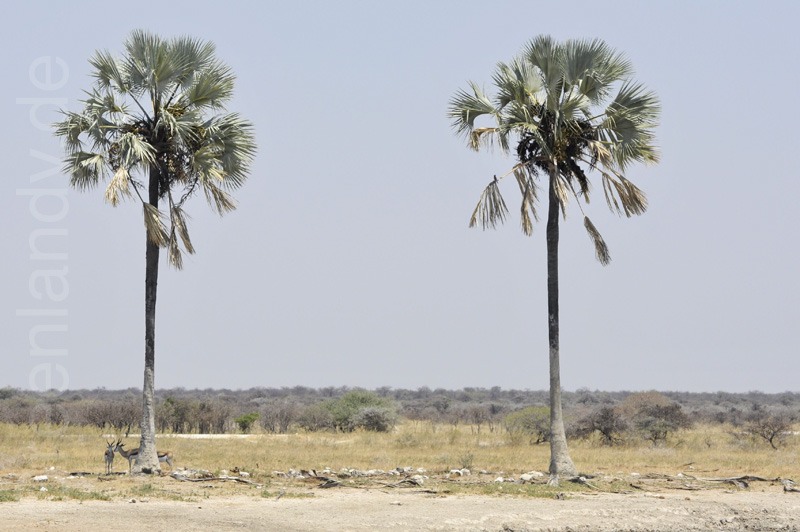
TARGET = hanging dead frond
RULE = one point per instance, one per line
(154, 224)
(600, 247)
(490, 209)
(623, 196)
(119, 187)
(220, 200)
(481, 136)
(528, 190)
(179, 227)
(175, 256)
(562, 193)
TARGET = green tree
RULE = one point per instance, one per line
(565, 109)
(154, 125)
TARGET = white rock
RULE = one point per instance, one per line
(466, 472)
(526, 477)
(42, 489)
(40, 478)
(499, 479)
(244, 474)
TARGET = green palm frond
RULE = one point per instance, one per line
(491, 208)
(465, 107)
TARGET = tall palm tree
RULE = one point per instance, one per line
(566, 109)
(154, 124)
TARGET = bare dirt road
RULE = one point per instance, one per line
(767, 508)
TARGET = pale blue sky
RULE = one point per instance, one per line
(349, 261)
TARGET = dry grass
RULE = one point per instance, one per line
(703, 452)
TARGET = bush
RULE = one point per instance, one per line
(245, 421)
(532, 422)
(346, 409)
(375, 419)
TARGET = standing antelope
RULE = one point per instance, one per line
(109, 456)
(163, 456)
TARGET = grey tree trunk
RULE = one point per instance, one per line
(147, 459)
(560, 461)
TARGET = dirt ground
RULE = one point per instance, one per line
(758, 508)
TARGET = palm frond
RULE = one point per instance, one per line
(220, 200)
(119, 187)
(491, 208)
(85, 169)
(600, 247)
(465, 107)
(629, 125)
(174, 255)
(623, 196)
(529, 192)
(179, 225)
(154, 225)
(108, 72)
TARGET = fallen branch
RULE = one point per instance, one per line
(183, 478)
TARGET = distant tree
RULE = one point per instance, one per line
(316, 417)
(149, 124)
(654, 415)
(771, 426)
(277, 416)
(605, 421)
(564, 109)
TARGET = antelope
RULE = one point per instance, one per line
(163, 456)
(109, 456)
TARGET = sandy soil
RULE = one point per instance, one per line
(759, 508)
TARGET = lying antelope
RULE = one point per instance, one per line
(163, 456)
(109, 456)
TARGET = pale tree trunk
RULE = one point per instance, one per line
(560, 461)
(147, 458)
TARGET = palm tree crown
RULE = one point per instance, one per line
(153, 111)
(553, 104)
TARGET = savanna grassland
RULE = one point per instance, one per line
(276, 482)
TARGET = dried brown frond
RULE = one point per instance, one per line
(562, 192)
(175, 256)
(220, 200)
(179, 226)
(527, 188)
(490, 209)
(119, 187)
(476, 136)
(154, 224)
(623, 196)
(600, 247)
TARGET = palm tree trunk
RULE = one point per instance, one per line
(147, 458)
(560, 461)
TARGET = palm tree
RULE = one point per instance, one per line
(566, 109)
(154, 125)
